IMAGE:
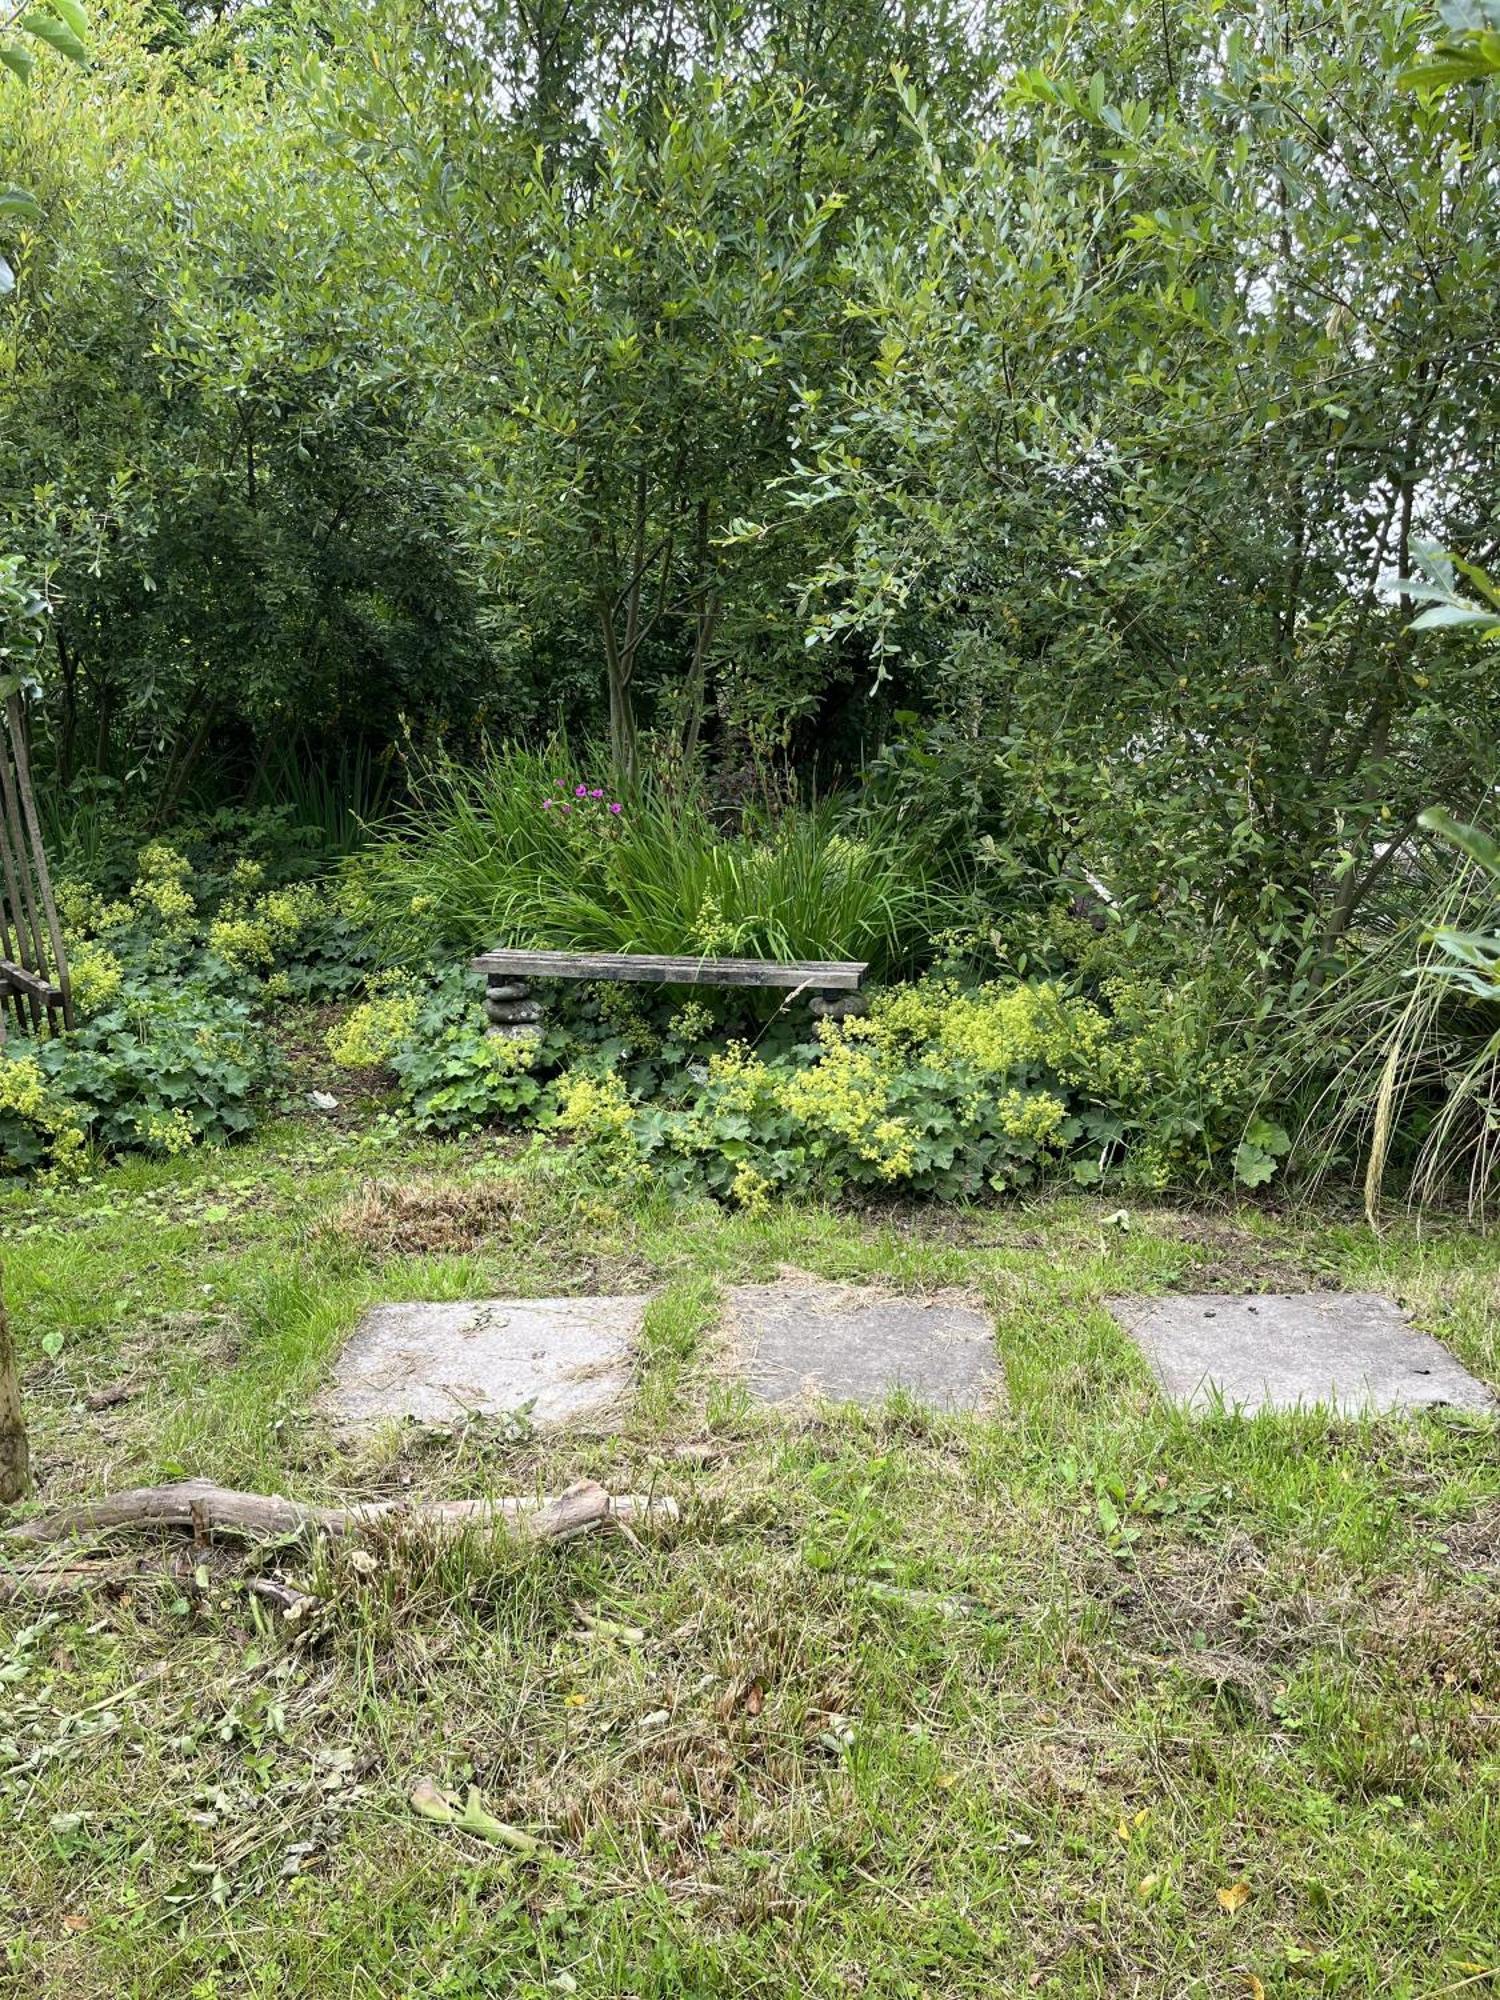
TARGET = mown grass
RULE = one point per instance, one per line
(1184, 1655)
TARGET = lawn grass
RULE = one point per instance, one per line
(1185, 1655)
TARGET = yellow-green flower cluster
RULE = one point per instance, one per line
(593, 1104)
(710, 932)
(253, 936)
(85, 913)
(599, 1110)
(26, 1097)
(935, 1088)
(96, 976)
(847, 1096)
(169, 1132)
(691, 1022)
(160, 891)
(370, 1034)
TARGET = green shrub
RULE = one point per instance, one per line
(523, 853)
(937, 1091)
(299, 940)
(452, 1075)
(162, 1068)
(1400, 1055)
(39, 1125)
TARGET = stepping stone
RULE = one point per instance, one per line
(804, 1340)
(568, 1358)
(1352, 1352)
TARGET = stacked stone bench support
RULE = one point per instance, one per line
(510, 1009)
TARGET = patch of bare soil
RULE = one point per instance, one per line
(301, 1033)
(424, 1217)
(1227, 1257)
(1474, 1546)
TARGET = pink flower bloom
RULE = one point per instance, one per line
(598, 793)
(581, 792)
(617, 807)
(546, 805)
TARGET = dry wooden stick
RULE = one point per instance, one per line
(204, 1509)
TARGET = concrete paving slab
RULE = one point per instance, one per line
(568, 1358)
(1352, 1352)
(804, 1340)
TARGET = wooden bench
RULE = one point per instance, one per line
(512, 1011)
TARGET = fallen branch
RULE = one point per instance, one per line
(204, 1509)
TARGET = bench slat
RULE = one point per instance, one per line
(823, 975)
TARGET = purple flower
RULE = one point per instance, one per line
(617, 807)
(546, 805)
(580, 791)
(597, 793)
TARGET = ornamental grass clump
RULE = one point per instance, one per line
(518, 853)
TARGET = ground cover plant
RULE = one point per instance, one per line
(1075, 1698)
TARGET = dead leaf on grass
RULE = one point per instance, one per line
(473, 1816)
(1234, 1897)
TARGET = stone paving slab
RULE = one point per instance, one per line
(803, 1339)
(1352, 1352)
(568, 1358)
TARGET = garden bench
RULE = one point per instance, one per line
(510, 1009)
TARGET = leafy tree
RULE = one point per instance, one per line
(1186, 354)
(213, 445)
(644, 237)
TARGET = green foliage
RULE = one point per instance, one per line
(452, 1075)
(1172, 380)
(40, 1126)
(229, 926)
(938, 1091)
(61, 25)
(1468, 53)
(214, 456)
(162, 1068)
(522, 851)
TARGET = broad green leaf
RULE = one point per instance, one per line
(20, 62)
(73, 14)
(1455, 614)
(16, 202)
(55, 33)
(1252, 1167)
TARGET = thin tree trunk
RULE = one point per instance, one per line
(705, 618)
(1373, 741)
(67, 737)
(621, 707)
(15, 1455)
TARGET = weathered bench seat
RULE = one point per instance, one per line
(511, 1010)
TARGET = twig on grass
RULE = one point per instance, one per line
(203, 1508)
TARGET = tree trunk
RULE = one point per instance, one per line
(15, 1457)
(622, 735)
